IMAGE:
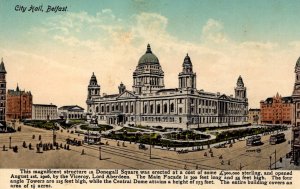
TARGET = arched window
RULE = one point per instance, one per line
(158, 108)
(113, 108)
(126, 108)
(131, 109)
(151, 108)
(165, 108)
(97, 109)
(145, 108)
(102, 108)
(172, 107)
(107, 108)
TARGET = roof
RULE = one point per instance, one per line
(240, 82)
(52, 105)
(298, 62)
(286, 99)
(164, 90)
(111, 96)
(254, 109)
(2, 67)
(70, 107)
(17, 92)
(148, 57)
(187, 61)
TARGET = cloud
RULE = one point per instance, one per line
(212, 31)
(77, 44)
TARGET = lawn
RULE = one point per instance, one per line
(49, 125)
(101, 127)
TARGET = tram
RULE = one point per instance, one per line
(253, 141)
(92, 138)
(277, 138)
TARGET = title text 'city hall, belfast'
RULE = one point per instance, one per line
(149, 103)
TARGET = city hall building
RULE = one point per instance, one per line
(149, 103)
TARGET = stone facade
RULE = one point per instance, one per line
(277, 110)
(254, 116)
(71, 112)
(2, 95)
(150, 103)
(19, 105)
(296, 118)
(44, 112)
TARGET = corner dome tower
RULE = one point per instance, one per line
(240, 82)
(148, 76)
(187, 78)
(240, 89)
(93, 88)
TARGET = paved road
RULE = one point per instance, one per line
(129, 156)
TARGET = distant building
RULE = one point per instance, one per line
(150, 103)
(254, 116)
(296, 118)
(71, 112)
(277, 110)
(44, 112)
(19, 104)
(2, 95)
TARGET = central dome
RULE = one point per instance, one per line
(148, 57)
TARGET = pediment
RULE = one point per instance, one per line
(224, 97)
(127, 94)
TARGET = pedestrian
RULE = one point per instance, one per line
(33, 136)
(4, 148)
(15, 149)
(24, 144)
(228, 162)
(196, 166)
(185, 167)
(29, 146)
(82, 152)
(40, 137)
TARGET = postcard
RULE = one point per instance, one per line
(149, 93)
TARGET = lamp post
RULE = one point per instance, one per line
(150, 146)
(198, 120)
(100, 152)
(9, 142)
(275, 159)
(53, 133)
(270, 162)
(100, 146)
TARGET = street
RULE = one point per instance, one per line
(239, 156)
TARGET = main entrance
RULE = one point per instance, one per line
(121, 119)
(118, 119)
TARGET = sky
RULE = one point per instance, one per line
(53, 55)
